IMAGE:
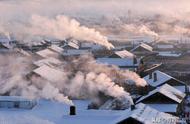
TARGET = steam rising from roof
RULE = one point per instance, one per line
(77, 78)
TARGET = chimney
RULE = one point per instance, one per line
(150, 75)
(133, 107)
(186, 89)
(155, 77)
(134, 60)
(72, 110)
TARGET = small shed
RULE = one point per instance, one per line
(16, 102)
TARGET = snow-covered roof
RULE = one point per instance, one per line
(143, 45)
(117, 61)
(124, 54)
(181, 88)
(165, 46)
(23, 52)
(46, 53)
(13, 98)
(161, 78)
(169, 54)
(164, 107)
(147, 115)
(85, 44)
(56, 48)
(49, 61)
(73, 43)
(49, 73)
(76, 52)
(167, 91)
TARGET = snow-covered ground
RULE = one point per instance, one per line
(51, 112)
(46, 112)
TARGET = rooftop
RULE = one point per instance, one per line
(49, 73)
(167, 91)
(124, 54)
(161, 78)
(143, 45)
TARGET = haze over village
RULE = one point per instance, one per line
(94, 61)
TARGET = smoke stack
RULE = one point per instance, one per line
(72, 110)
(132, 107)
(150, 76)
(155, 77)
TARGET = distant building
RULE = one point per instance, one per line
(71, 44)
(142, 50)
(122, 59)
(76, 52)
(122, 54)
(16, 102)
(128, 63)
(169, 54)
(165, 99)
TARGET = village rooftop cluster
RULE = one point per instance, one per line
(164, 100)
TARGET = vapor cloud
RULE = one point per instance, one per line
(81, 78)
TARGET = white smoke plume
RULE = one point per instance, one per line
(13, 82)
(109, 17)
(139, 30)
(61, 27)
(81, 78)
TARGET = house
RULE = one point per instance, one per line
(48, 61)
(3, 48)
(158, 78)
(52, 51)
(76, 52)
(129, 63)
(16, 102)
(56, 48)
(141, 114)
(122, 54)
(165, 46)
(23, 52)
(122, 59)
(144, 114)
(46, 53)
(165, 99)
(90, 45)
(142, 50)
(169, 54)
(48, 73)
(71, 44)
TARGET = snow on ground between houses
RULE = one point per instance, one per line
(23, 119)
